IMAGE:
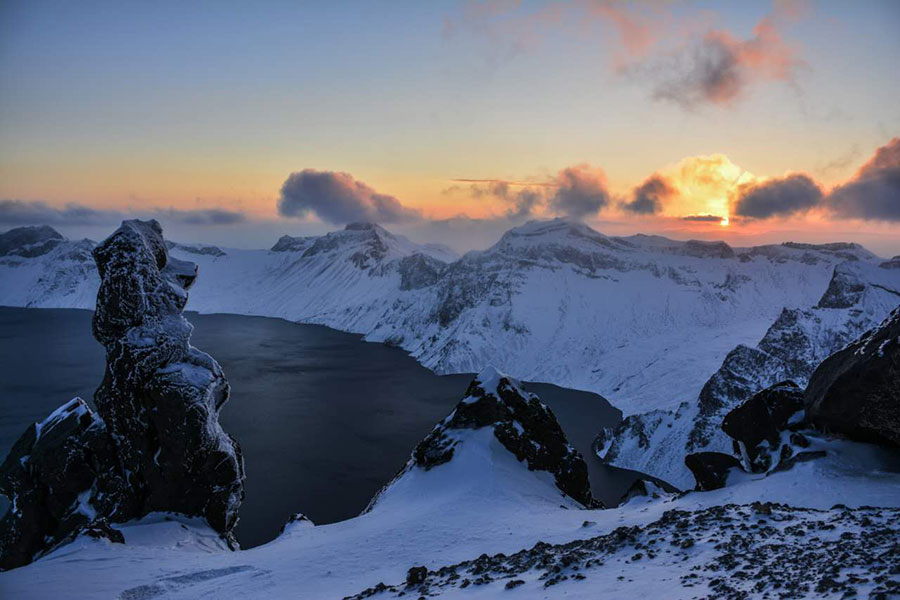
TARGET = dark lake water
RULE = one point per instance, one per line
(323, 418)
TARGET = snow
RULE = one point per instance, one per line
(483, 501)
(643, 320)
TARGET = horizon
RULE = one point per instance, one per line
(104, 232)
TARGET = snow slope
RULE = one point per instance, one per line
(485, 502)
(642, 320)
(859, 296)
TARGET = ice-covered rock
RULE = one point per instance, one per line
(155, 443)
(160, 395)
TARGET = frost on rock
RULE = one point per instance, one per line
(521, 423)
(155, 443)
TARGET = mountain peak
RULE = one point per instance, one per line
(29, 241)
(523, 426)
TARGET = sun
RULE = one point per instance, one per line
(725, 221)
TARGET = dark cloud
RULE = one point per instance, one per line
(36, 212)
(580, 192)
(874, 193)
(778, 197)
(648, 197)
(703, 218)
(210, 216)
(718, 68)
(338, 198)
(22, 212)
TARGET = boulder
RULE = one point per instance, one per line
(711, 469)
(856, 391)
(756, 424)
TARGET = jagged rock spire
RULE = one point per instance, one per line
(155, 443)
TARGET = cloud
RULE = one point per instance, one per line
(210, 216)
(682, 58)
(24, 212)
(648, 197)
(36, 212)
(718, 68)
(777, 197)
(874, 193)
(339, 199)
(580, 192)
(703, 218)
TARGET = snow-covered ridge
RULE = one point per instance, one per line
(552, 301)
(859, 296)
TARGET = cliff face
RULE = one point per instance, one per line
(154, 443)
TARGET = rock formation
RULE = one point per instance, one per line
(520, 422)
(857, 391)
(757, 424)
(154, 443)
(711, 469)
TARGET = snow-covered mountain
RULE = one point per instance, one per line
(493, 499)
(859, 296)
(643, 320)
(483, 524)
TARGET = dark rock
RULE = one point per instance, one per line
(703, 249)
(856, 391)
(416, 575)
(762, 418)
(296, 519)
(29, 241)
(288, 243)
(513, 584)
(101, 529)
(711, 469)
(844, 290)
(520, 422)
(196, 249)
(155, 443)
(54, 477)
(419, 271)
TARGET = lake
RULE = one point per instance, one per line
(324, 419)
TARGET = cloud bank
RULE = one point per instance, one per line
(36, 212)
(778, 197)
(338, 198)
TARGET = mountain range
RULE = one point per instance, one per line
(674, 333)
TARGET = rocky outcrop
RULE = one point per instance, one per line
(711, 469)
(198, 249)
(155, 443)
(53, 476)
(29, 241)
(756, 425)
(287, 243)
(857, 391)
(521, 423)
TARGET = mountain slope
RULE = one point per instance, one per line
(552, 301)
(859, 295)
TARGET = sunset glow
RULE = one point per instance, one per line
(509, 93)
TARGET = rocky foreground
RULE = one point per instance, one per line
(761, 550)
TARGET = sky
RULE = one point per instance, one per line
(234, 123)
